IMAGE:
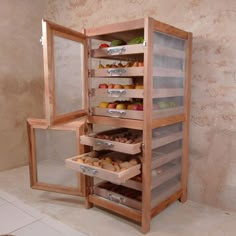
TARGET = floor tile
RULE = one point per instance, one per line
(12, 218)
(28, 209)
(7, 197)
(37, 229)
(65, 229)
(2, 201)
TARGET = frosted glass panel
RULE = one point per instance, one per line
(168, 75)
(69, 77)
(52, 148)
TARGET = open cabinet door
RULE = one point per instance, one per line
(65, 73)
(49, 147)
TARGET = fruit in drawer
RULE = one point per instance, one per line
(128, 86)
(118, 86)
(110, 86)
(120, 65)
(121, 106)
(103, 104)
(104, 86)
(135, 107)
(112, 105)
(101, 66)
(117, 42)
(135, 64)
(104, 45)
(136, 40)
(108, 66)
(138, 86)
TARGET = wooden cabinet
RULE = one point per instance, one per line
(132, 102)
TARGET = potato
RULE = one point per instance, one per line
(108, 167)
(133, 161)
(126, 164)
(80, 160)
(117, 167)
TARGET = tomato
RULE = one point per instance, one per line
(104, 45)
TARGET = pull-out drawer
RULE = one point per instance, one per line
(117, 51)
(120, 140)
(114, 167)
(126, 114)
(119, 194)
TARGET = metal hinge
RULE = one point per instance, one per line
(91, 190)
(41, 40)
(142, 146)
(144, 43)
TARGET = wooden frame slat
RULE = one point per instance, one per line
(117, 208)
(77, 127)
(169, 52)
(116, 122)
(117, 27)
(171, 30)
(185, 158)
(49, 30)
(147, 126)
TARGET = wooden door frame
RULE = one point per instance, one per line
(50, 29)
(78, 127)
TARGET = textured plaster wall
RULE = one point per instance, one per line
(21, 76)
(212, 178)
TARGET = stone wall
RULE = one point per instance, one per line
(21, 76)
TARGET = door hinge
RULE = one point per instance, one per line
(143, 146)
(144, 43)
(41, 40)
(91, 191)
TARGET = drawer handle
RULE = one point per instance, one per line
(115, 198)
(118, 71)
(88, 170)
(116, 113)
(116, 92)
(112, 51)
(104, 144)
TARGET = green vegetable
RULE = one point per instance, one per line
(136, 40)
(117, 42)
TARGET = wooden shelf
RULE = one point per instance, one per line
(159, 141)
(117, 72)
(167, 172)
(159, 159)
(137, 93)
(116, 122)
(115, 207)
(162, 72)
(169, 52)
(165, 191)
(120, 51)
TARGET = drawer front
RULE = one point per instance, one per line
(126, 114)
(123, 93)
(118, 198)
(94, 171)
(117, 72)
(114, 51)
(101, 144)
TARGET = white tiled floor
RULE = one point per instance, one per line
(19, 219)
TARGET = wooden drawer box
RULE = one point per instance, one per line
(126, 114)
(119, 194)
(100, 143)
(95, 171)
(118, 50)
(117, 72)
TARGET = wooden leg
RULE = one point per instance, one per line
(88, 204)
(183, 197)
(89, 184)
(146, 226)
